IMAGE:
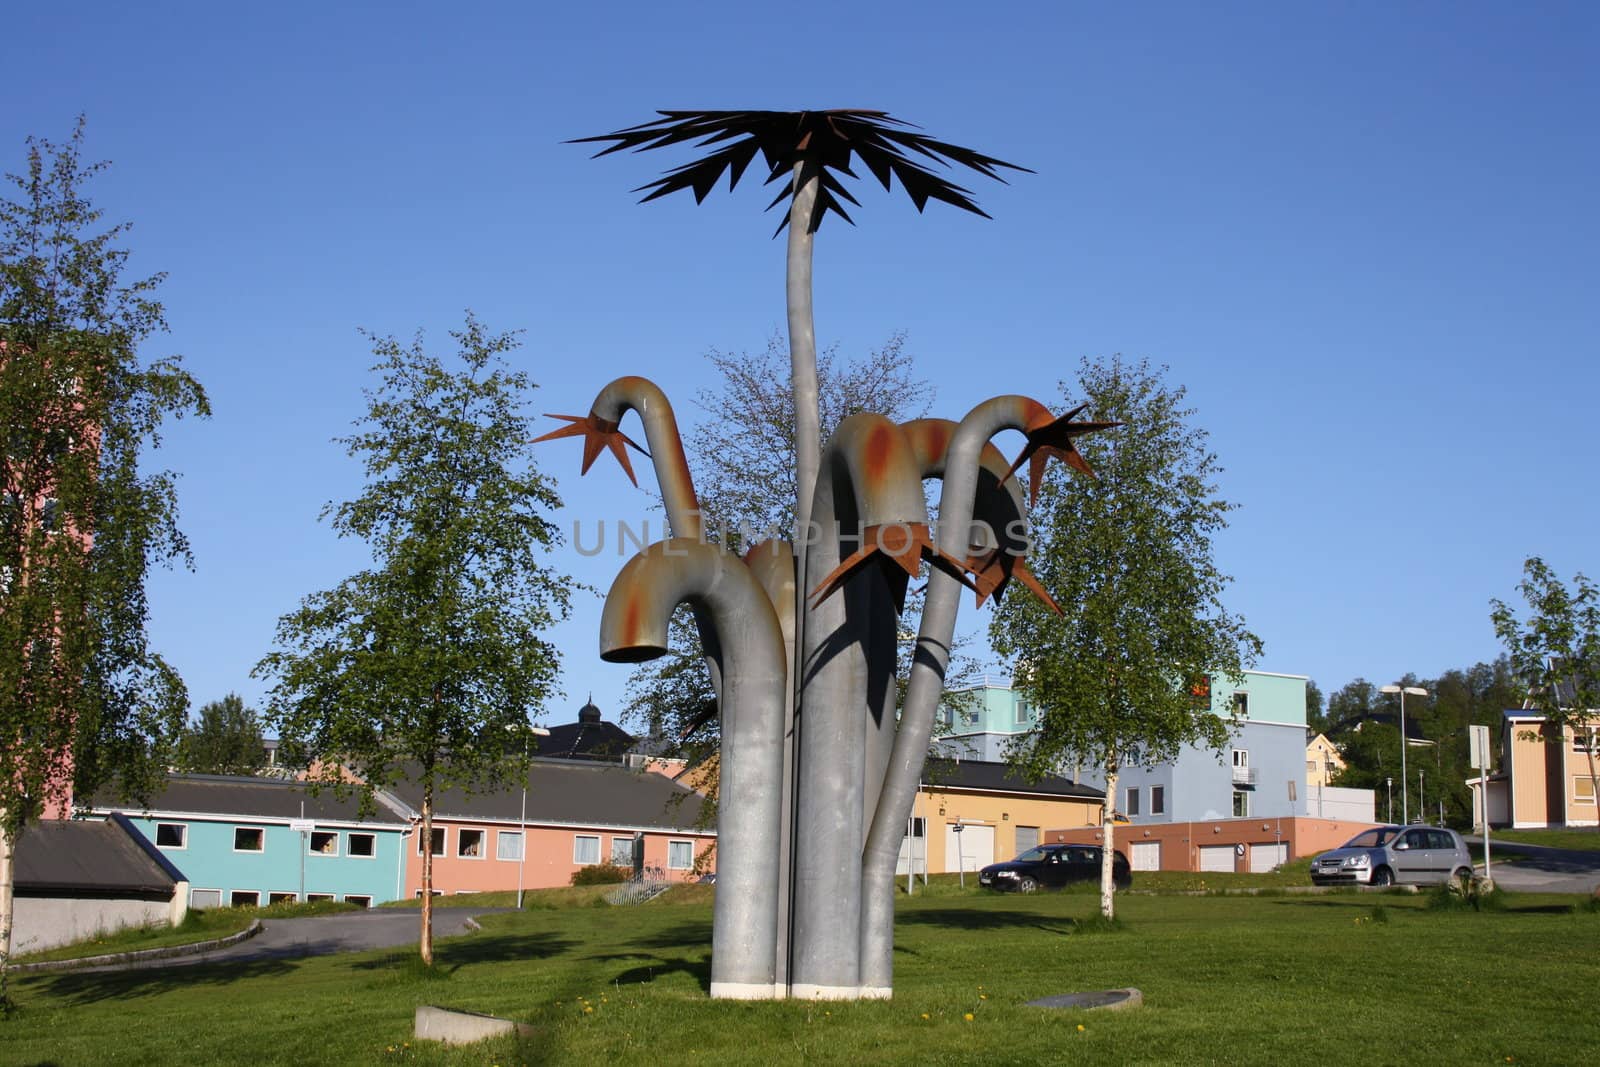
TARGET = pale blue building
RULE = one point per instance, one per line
(257, 841)
(1259, 774)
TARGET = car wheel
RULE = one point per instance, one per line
(1026, 884)
(1382, 876)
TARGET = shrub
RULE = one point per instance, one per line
(600, 874)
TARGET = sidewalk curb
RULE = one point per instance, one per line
(165, 952)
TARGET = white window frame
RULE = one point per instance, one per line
(311, 838)
(444, 840)
(312, 898)
(244, 893)
(625, 846)
(293, 897)
(504, 837)
(352, 854)
(1158, 800)
(1241, 703)
(483, 842)
(1023, 715)
(201, 889)
(680, 867)
(361, 900)
(1241, 800)
(262, 830)
(578, 839)
(1241, 758)
(1586, 739)
(1582, 781)
(183, 833)
(1131, 798)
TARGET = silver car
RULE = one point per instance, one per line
(1391, 855)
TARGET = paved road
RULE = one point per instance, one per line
(1542, 870)
(357, 931)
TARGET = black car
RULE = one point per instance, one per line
(1053, 866)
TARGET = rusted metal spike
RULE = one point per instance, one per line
(597, 434)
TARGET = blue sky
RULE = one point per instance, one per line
(1363, 236)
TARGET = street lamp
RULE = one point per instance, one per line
(1416, 691)
(522, 819)
(1390, 783)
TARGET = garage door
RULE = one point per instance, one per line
(975, 847)
(1265, 857)
(1146, 856)
(1216, 857)
(1027, 837)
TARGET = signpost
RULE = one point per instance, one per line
(302, 826)
(1478, 749)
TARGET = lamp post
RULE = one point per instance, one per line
(522, 818)
(1416, 691)
(1389, 782)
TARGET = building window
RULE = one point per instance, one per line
(1311, 766)
(172, 835)
(200, 899)
(508, 845)
(1241, 705)
(469, 843)
(1241, 805)
(361, 845)
(438, 841)
(312, 898)
(585, 850)
(417, 895)
(324, 843)
(1024, 715)
(919, 827)
(1586, 739)
(680, 855)
(358, 901)
(1241, 757)
(244, 898)
(249, 839)
(1583, 790)
(1133, 801)
(1200, 692)
(1158, 800)
(622, 851)
(282, 898)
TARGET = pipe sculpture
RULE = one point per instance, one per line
(633, 628)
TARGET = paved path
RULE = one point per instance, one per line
(357, 931)
(1542, 870)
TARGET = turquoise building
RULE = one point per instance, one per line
(255, 841)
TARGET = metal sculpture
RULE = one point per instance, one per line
(818, 770)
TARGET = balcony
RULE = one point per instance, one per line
(1245, 776)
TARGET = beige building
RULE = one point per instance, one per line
(1546, 778)
(971, 813)
(1323, 761)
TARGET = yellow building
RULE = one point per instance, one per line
(1545, 779)
(971, 813)
(1323, 761)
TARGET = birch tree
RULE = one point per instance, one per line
(1125, 671)
(84, 699)
(429, 666)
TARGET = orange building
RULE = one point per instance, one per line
(1224, 845)
(572, 814)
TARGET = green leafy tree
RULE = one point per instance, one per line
(1555, 653)
(83, 698)
(428, 667)
(226, 739)
(1128, 557)
(1315, 722)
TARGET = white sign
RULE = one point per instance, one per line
(1478, 747)
(302, 826)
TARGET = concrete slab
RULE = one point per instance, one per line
(1107, 999)
(463, 1027)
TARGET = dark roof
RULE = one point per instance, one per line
(573, 792)
(84, 856)
(999, 778)
(588, 738)
(1414, 726)
(260, 798)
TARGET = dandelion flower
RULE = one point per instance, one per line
(1080, 1028)
(587, 1010)
(983, 996)
(924, 1015)
(968, 1016)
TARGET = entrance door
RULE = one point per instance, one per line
(1216, 857)
(969, 850)
(1146, 856)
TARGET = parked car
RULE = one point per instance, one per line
(1391, 855)
(1053, 866)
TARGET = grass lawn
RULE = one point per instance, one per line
(1581, 840)
(1340, 978)
(205, 925)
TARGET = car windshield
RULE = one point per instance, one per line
(1033, 855)
(1372, 838)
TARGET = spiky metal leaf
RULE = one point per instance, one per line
(825, 140)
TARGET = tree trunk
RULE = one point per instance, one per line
(427, 876)
(1108, 850)
(7, 909)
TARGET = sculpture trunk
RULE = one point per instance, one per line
(633, 627)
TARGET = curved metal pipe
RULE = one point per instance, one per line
(869, 477)
(633, 628)
(926, 685)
